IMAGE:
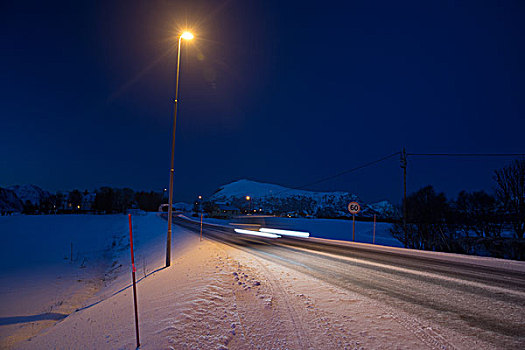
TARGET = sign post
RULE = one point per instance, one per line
(133, 270)
(353, 208)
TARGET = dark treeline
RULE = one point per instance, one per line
(474, 222)
(105, 200)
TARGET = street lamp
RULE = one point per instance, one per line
(249, 203)
(185, 36)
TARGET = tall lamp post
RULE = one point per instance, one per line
(185, 36)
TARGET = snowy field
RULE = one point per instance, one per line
(41, 282)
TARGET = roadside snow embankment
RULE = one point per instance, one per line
(55, 264)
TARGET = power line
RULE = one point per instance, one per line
(350, 170)
(467, 154)
(343, 172)
(407, 154)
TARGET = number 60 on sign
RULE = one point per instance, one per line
(354, 208)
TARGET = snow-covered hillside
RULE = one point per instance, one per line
(278, 199)
(9, 202)
(32, 193)
(255, 189)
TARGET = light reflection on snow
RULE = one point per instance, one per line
(256, 233)
(285, 232)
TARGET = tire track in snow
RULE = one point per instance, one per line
(241, 325)
(290, 313)
(301, 335)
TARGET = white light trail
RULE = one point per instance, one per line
(256, 233)
(285, 232)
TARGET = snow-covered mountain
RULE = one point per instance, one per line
(272, 198)
(184, 207)
(384, 207)
(9, 201)
(32, 193)
(242, 188)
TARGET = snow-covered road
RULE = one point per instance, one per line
(446, 303)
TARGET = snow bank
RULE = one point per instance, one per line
(41, 282)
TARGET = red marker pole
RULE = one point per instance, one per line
(133, 270)
(201, 226)
(374, 237)
(353, 227)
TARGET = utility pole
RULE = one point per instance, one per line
(404, 167)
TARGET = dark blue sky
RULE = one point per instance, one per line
(275, 91)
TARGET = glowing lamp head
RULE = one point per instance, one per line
(247, 198)
(186, 36)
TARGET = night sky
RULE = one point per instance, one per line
(275, 91)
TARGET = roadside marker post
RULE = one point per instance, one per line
(353, 208)
(133, 270)
(374, 236)
(201, 226)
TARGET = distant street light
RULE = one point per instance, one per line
(199, 202)
(185, 36)
(249, 203)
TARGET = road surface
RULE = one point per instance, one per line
(485, 304)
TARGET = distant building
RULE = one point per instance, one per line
(181, 208)
(224, 211)
(87, 201)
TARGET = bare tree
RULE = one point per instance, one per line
(478, 213)
(511, 192)
(429, 222)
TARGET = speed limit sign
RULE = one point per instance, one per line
(354, 208)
